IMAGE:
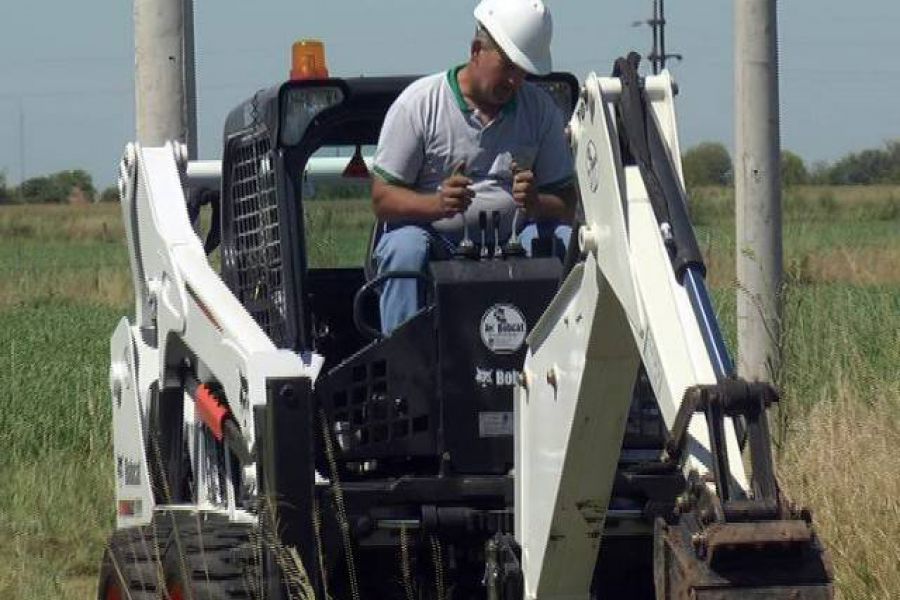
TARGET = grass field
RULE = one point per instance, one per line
(65, 282)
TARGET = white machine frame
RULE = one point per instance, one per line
(179, 295)
(620, 307)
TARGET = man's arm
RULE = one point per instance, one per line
(396, 203)
(558, 206)
(392, 202)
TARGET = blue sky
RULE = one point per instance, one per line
(66, 68)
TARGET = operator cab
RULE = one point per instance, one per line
(455, 362)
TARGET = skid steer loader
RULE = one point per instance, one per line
(540, 429)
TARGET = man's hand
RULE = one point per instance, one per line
(524, 190)
(454, 194)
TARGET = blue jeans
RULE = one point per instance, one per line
(407, 248)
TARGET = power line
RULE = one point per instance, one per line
(69, 92)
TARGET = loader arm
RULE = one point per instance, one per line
(638, 297)
(191, 352)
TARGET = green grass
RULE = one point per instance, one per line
(807, 203)
(338, 232)
(56, 470)
(65, 282)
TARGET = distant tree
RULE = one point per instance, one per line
(707, 164)
(39, 189)
(875, 165)
(4, 191)
(110, 194)
(59, 187)
(793, 169)
(820, 173)
(892, 149)
(70, 180)
(866, 167)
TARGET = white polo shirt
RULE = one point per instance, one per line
(430, 129)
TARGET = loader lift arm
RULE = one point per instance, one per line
(192, 374)
(638, 297)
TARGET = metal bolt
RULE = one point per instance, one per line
(552, 376)
(588, 238)
(286, 393)
(525, 379)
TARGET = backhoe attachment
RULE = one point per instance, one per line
(638, 297)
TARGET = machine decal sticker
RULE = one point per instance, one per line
(128, 471)
(495, 424)
(130, 508)
(503, 329)
(485, 378)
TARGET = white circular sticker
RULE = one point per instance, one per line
(503, 329)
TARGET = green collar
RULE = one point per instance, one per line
(453, 81)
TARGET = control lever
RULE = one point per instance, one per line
(466, 248)
(495, 225)
(482, 224)
(513, 246)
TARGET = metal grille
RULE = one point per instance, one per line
(259, 271)
(369, 415)
(371, 418)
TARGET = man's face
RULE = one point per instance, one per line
(498, 77)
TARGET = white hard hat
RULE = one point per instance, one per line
(522, 29)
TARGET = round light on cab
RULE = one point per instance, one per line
(308, 60)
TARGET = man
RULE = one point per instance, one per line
(476, 138)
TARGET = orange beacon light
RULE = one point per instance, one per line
(308, 60)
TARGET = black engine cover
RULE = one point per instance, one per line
(484, 310)
(438, 391)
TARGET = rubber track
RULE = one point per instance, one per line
(214, 558)
(134, 558)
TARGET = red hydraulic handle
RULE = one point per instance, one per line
(213, 412)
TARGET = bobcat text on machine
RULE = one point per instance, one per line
(541, 429)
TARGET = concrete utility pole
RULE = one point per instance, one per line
(165, 87)
(757, 189)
